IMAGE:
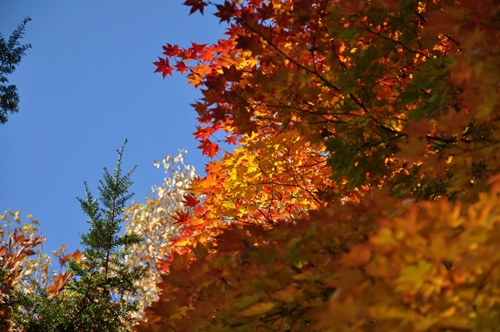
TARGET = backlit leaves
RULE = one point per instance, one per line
(156, 220)
(362, 192)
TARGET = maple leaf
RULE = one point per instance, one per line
(266, 11)
(170, 50)
(190, 200)
(215, 83)
(210, 149)
(163, 67)
(200, 108)
(195, 79)
(182, 217)
(195, 5)
(213, 167)
(181, 67)
(231, 139)
(225, 12)
(203, 132)
(251, 43)
(232, 74)
(196, 49)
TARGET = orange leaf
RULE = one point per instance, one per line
(64, 259)
(77, 256)
(213, 167)
(358, 255)
(196, 221)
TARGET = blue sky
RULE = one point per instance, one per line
(85, 86)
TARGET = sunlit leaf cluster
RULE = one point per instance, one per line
(155, 221)
(362, 191)
(356, 188)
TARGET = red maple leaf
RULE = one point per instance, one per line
(266, 11)
(163, 67)
(225, 12)
(197, 49)
(210, 149)
(181, 217)
(190, 200)
(171, 50)
(230, 139)
(181, 66)
(196, 5)
(203, 132)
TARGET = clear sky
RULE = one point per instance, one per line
(85, 86)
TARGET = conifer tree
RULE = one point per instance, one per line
(93, 299)
(11, 53)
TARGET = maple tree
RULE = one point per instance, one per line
(362, 193)
(24, 265)
(17, 244)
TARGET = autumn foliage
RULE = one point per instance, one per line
(362, 191)
(352, 181)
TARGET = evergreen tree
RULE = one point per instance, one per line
(93, 298)
(11, 53)
(5, 304)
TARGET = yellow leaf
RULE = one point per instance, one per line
(228, 204)
(385, 237)
(414, 276)
(182, 243)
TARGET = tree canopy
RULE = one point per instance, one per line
(362, 191)
(11, 53)
(352, 181)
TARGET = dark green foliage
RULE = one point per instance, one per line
(94, 299)
(11, 53)
(5, 302)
